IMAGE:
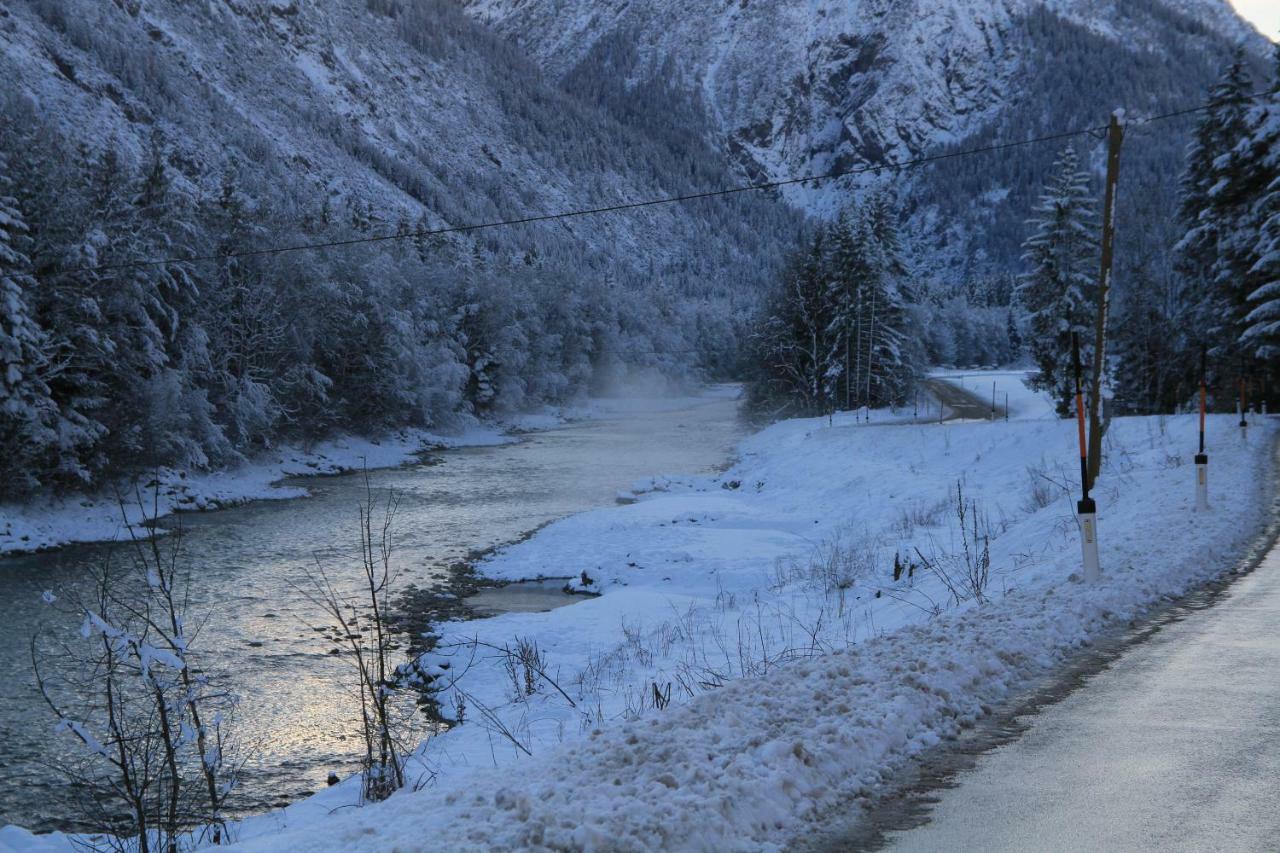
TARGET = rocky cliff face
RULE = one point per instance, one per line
(805, 88)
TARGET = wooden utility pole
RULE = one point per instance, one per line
(1115, 137)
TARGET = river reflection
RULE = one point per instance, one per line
(248, 563)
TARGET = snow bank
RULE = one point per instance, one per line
(779, 693)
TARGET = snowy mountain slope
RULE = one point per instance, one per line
(796, 88)
(132, 131)
(406, 110)
(793, 89)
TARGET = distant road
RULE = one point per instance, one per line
(962, 403)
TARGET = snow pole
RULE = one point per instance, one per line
(1006, 406)
(1241, 401)
(1085, 508)
(993, 400)
(1202, 461)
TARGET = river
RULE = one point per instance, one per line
(247, 565)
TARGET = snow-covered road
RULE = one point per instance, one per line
(1176, 746)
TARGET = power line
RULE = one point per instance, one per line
(569, 214)
(633, 205)
(1206, 106)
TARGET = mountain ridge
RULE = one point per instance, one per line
(797, 89)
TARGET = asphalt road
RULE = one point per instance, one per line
(962, 403)
(1175, 746)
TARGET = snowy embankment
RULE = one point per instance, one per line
(752, 664)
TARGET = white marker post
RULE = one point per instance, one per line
(1085, 508)
(1202, 461)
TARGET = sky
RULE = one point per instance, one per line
(1263, 14)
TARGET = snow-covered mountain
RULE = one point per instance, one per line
(407, 109)
(132, 130)
(805, 88)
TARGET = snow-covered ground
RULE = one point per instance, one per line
(751, 660)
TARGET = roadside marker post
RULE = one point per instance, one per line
(1242, 402)
(1202, 460)
(1085, 508)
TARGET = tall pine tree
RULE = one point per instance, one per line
(26, 409)
(1261, 335)
(1058, 290)
(838, 333)
(1214, 193)
(795, 350)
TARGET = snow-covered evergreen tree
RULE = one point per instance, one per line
(837, 333)
(1261, 335)
(1011, 332)
(850, 268)
(21, 340)
(1214, 196)
(26, 408)
(1058, 288)
(1262, 332)
(796, 350)
(1154, 357)
(895, 350)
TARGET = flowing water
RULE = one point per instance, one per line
(247, 565)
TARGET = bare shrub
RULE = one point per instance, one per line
(367, 637)
(1044, 487)
(525, 666)
(966, 573)
(919, 514)
(157, 763)
(833, 566)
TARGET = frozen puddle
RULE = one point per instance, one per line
(536, 596)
